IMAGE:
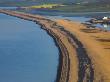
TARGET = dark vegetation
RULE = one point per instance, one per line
(71, 5)
(87, 7)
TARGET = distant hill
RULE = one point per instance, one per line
(30, 2)
(72, 5)
(35, 2)
(94, 6)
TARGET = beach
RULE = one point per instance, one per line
(84, 53)
(97, 45)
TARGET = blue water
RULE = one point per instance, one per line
(72, 18)
(81, 19)
(103, 26)
(8, 7)
(27, 53)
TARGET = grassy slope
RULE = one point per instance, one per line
(90, 7)
(84, 7)
(46, 6)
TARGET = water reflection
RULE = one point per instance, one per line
(103, 26)
(106, 26)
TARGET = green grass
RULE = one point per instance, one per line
(84, 8)
(46, 6)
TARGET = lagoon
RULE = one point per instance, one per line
(81, 19)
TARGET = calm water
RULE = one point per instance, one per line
(8, 8)
(74, 16)
(103, 26)
(81, 19)
(27, 53)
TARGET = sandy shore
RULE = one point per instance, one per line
(68, 63)
(97, 45)
(84, 53)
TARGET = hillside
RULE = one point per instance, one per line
(30, 2)
(37, 2)
(71, 5)
(85, 7)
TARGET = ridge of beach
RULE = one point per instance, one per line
(84, 52)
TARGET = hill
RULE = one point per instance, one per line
(71, 5)
(38, 2)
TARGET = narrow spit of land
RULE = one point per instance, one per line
(67, 70)
(83, 57)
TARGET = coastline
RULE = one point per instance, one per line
(60, 39)
(97, 44)
(84, 53)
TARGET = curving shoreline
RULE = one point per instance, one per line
(97, 45)
(49, 26)
(84, 53)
